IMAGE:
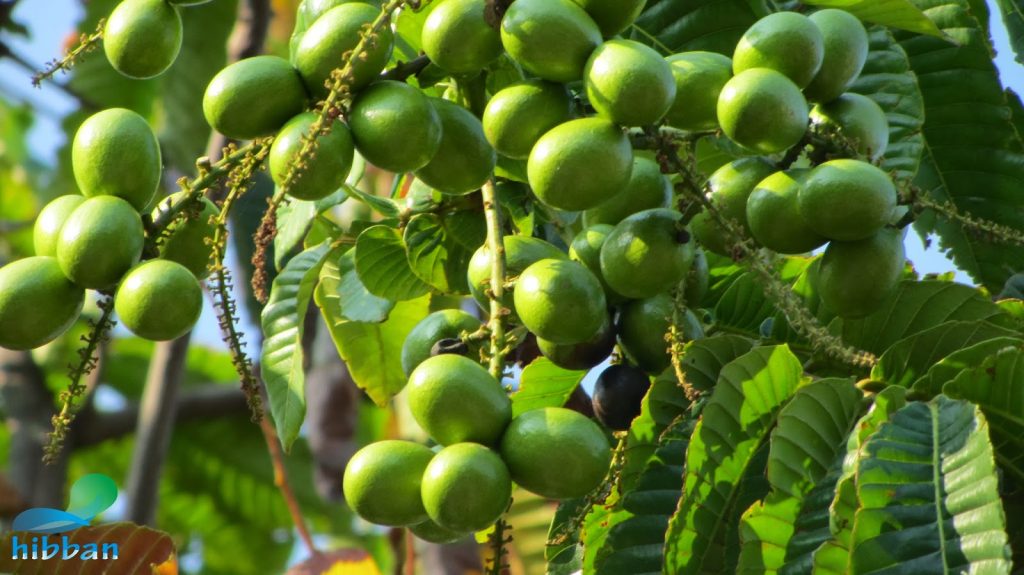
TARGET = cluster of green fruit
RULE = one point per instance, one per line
(142, 38)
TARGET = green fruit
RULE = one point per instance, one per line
(334, 33)
(859, 120)
(847, 200)
(629, 83)
(612, 16)
(762, 110)
(730, 187)
(51, 219)
(551, 39)
(517, 116)
(159, 300)
(786, 42)
(647, 189)
(466, 488)
(324, 172)
(773, 214)
(115, 153)
(433, 533)
(313, 9)
(560, 301)
(647, 253)
(699, 77)
(444, 324)
(465, 160)
(697, 281)
(856, 278)
(581, 356)
(580, 164)
(586, 249)
(642, 326)
(100, 241)
(254, 97)
(520, 253)
(454, 400)
(395, 126)
(142, 38)
(383, 480)
(556, 453)
(618, 393)
(846, 50)
(186, 241)
(37, 303)
(187, 2)
(457, 38)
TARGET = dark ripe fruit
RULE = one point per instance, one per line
(395, 126)
(773, 214)
(699, 77)
(383, 480)
(520, 253)
(580, 164)
(556, 453)
(116, 153)
(647, 189)
(586, 249)
(847, 200)
(454, 399)
(612, 16)
(618, 393)
(581, 356)
(142, 38)
(458, 39)
(762, 110)
(846, 50)
(642, 326)
(560, 301)
(517, 116)
(465, 159)
(254, 97)
(647, 253)
(100, 241)
(186, 241)
(37, 303)
(629, 83)
(859, 120)
(433, 533)
(159, 300)
(51, 219)
(856, 278)
(551, 39)
(440, 325)
(335, 32)
(466, 488)
(730, 187)
(324, 172)
(786, 42)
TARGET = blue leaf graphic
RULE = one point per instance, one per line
(45, 520)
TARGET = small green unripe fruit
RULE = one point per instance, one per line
(433, 533)
(466, 488)
(520, 253)
(556, 453)
(465, 159)
(46, 230)
(444, 324)
(100, 241)
(458, 39)
(773, 214)
(186, 242)
(37, 303)
(395, 126)
(856, 278)
(517, 116)
(187, 2)
(846, 50)
(313, 9)
(159, 300)
(647, 189)
(629, 83)
(647, 253)
(551, 39)
(847, 200)
(334, 33)
(580, 164)
(730, 187)
(560, 301)
(383, 480)
(699, 77)
(859, 120)
(324, 172)
(454, 399)
(786, 42)
(586, 249)
(254, 97)
(116, 153)
(612, 16)
(142, 38)
(618, 393)
(584, 355)
(762, 110)
(642, 325)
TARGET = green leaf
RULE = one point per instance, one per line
(293, 222)
(343, 290)
(735, 423)
(563, 552)
(684, 25)
(946, 369)
(383, 266)
(900, 14)
(704, 358)
(544, 384)
(664, 403)
(383, 206)
(434, 254)
(529, 517)
(283, 321)
(1013, 17)
(744, 305)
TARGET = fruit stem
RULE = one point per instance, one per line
(993, 231)
(86, 43)
(281, 481)
(496, 292)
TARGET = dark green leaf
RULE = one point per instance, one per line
(345, 294)
(744, 305)
(383, 206)
(544, 384)
(383, 266)
(683, 25)
(435, 256)
(293, 222)
(1013, 16)
(946, 369)
(900, 14)
(704, 358)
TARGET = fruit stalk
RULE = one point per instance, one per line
(989, 229)
(281, 481)
(86, 43)
(495, 244)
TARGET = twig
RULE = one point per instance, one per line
(677, 340)
(496, 292)
(986, 228)
(281, 481)
(403, 70)
(86, 44)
